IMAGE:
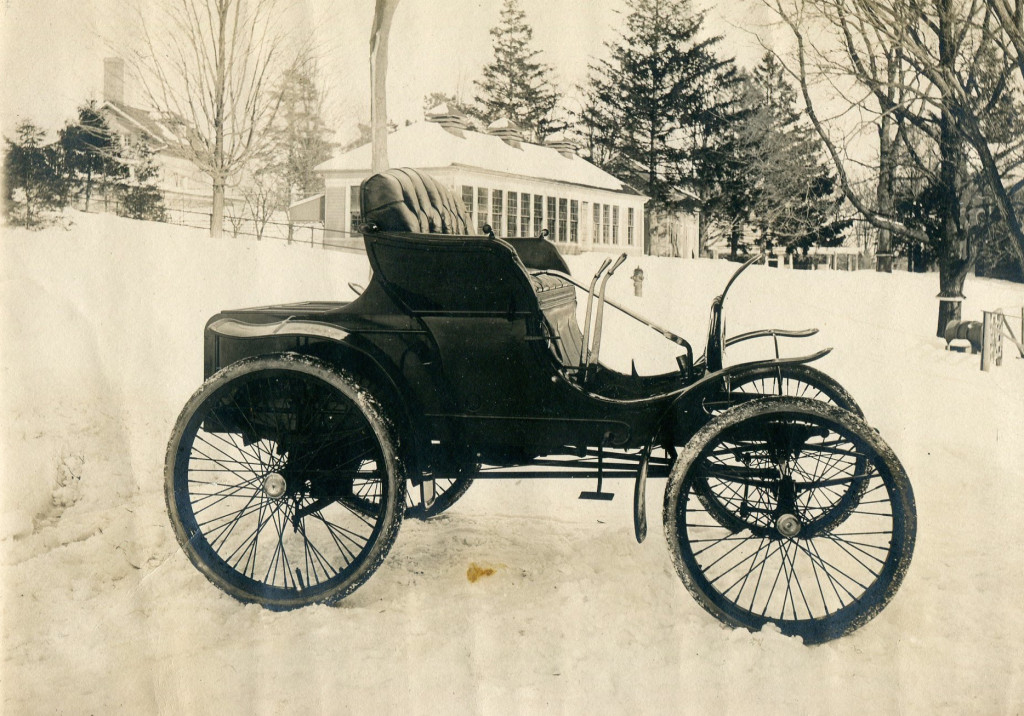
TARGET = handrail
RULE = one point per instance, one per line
(781, 333)
(592, 355)
(585, 347)
(665, 333)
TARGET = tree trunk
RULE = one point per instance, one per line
(734, 238)
(702, 231)
(217, 216)
(951, 287)
(886, 178)
(385, 10)
(952, 244)
(88, 184)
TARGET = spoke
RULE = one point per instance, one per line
(829, 567)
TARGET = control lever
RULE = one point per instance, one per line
(592, 356)
(585, 348)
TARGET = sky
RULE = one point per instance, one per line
(51, 51)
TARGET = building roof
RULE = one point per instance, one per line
(428, 145)
(139, 121)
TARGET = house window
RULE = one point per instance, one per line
(467, 200)
(524, 221)
(563, 218)
(629, 225)
(354, 213)
(497, 210)
(538, 214)
(574, 221)
(552, 214)
(597, 222)
(615, 224)
(605, 219)
(483, 216)
(513, 213)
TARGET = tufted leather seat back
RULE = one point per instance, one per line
(409, 200)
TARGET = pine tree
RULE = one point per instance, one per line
(795, 198)
(654, 106)
(91, 151)
(515, 85)
(32, 176)
(140, 198)
(283, 169)
(300, 130)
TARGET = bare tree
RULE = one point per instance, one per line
(932, 72)
(209, 67)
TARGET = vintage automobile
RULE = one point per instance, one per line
(321, 425)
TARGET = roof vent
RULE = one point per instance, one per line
(507, 130)
(560, 142)
(448, 117)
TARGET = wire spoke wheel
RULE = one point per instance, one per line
(282, 482)
(789, 380)
(781, 466)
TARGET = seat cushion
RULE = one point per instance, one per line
(409, 200)
(552, 290)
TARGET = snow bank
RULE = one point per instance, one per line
(102, 329)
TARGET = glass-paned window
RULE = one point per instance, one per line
(538, 214)
(605, 220)
(597, 222)
(574, 221)
(354, 212)
(524, 219)
(615, 224)
(552, 213)
(484, 216)
(498, 211)
(629, 225)
(563, 219)
(513, 213)
(467, 199)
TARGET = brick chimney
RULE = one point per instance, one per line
(113, 80)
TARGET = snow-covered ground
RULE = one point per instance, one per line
(100, 346)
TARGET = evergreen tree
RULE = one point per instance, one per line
(283, 168)
(515, 85)
(300, 132)
(655, 105)
(795, 201)
(33, 178)
(139, 194)
(91, 151)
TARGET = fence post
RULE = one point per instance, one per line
(991, 339)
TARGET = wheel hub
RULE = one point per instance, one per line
(274, 485)
(788, 525)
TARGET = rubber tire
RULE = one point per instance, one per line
(385, 531)
(904, 517)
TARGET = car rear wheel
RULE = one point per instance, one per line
(283, 482)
